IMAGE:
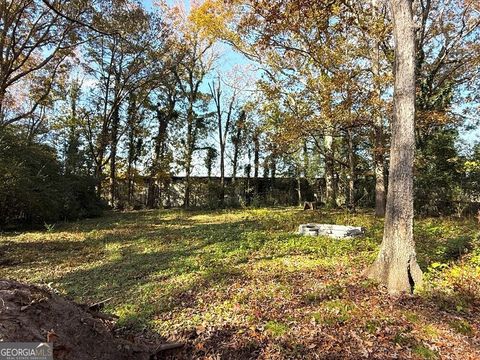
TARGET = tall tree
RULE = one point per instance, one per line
(378, 127)
(135, 144)
(119, 65)
(210, 157)
(396, 264)
(237, 141)
(35, 44)
(198, 57)
(73, 155)
(159, 171)
(224, 121)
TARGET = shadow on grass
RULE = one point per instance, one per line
(167, 266)
(160, 261)
(21, 253)
(131, 233)
(151, 283)
(443, 250)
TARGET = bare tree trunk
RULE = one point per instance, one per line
(192, 128)
(186, 196)
(237, 143)
(216, 93)
(151, 192)
(330, 190)
(131, 165)
(351, 171)
(2, 100)
(378, 148)
(236, 149)
(98, 173)
(235, 162)
(256, 160)
(113, 157)
(130, 184)
(104, 135)
(273, 171)
(163, 118)
(379, 170)
(396, 265)
(222, 173)
(299, 188)
(134, 145)
(99, 159)
(189, 154)
(248, 170)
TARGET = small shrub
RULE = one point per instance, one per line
(49, 227)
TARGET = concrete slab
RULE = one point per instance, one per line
(335, 231)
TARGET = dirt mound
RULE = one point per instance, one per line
(30, 313)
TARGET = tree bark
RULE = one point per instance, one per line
(100, 158)
(330, 190)
(351, 171)
(134, 144)
(114, 140)
(378, 147)
(248, 170)
(299, 188)
(273, 171)
(236, 149)
(396, 265)
(256, 159)
(113, 157)
(379, 170)
(154, 197)
(189, 154)
(217, 93)
(222, 173)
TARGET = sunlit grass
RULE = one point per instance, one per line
(172, 270)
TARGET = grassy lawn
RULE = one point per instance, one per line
(242, 284)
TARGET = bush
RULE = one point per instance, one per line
(33, 189)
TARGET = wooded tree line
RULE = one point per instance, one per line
(107, 100)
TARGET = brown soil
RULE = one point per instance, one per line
(30, 313)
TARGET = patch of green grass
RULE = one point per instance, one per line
(317, 317)
(334, 312)
(403, 339)
(130, 316)
(372, 325)
(171, 270)
(424, 352)
(411, 316)
(368, 284)
(442, 240)
(430, 331)
(313, 297)
(462, 327)
(276, 329)
(329, 292)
